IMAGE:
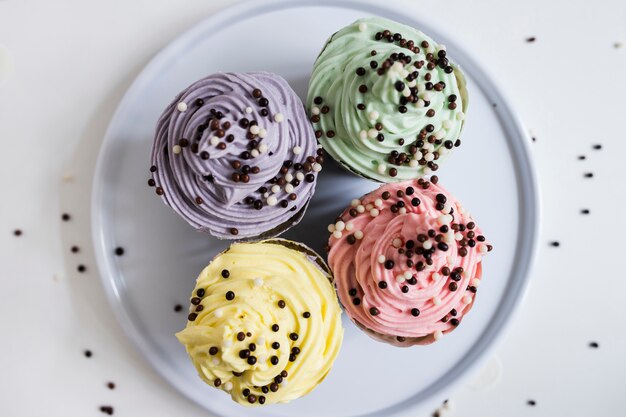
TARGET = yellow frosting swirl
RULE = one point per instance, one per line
(265, 323)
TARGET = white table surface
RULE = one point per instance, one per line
(65, 64)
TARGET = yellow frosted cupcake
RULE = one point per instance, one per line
(265, 323)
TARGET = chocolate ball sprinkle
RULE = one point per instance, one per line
(230, 295)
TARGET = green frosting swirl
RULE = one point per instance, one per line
(385, 100)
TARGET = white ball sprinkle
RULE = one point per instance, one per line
(447, 124)
(381, 168)
(215, 361)
(331, 228)
(475, 282)
(482, 248)
(355, 202)
(317, 167)
(412, 84)
(262, 133)
(444, 219)
(374, 212)
(435, 276)
(218, 313)
(289, 188)
(436, 301)
(466, 299)
(315, 111)
(288, 177)
(297, 150)
(228, 386)
(182, 106)
(337, 234)
(413, 163)
(381, 259)
(440, 134)
(360, 208)
(427, 245)
(406, 92)
(368, 207)
(177, 149)
(450, 236)
(227, 344)
(340, 226)
(275, 188)
(272, 200)
(458, 236)
(372, 133)
(254, 153)
(299, 176)
(437, 335)
(460, 116)
(397, 242)
(397, 66)
(248, 110)
(260, 341)
(255, 130)
(427, 171)
(402, 210)
(278, 117)
(429, 157)
(400, 278)
(358, 235)
(349, 226)
(446, 208)
(374, 115)
(426, 96)
(421, 87)
(362, 26)
(378, 202)
(363, 134)
(408, 274)
(215, 140)
(262, 148)
(420, 103)
(258, 282)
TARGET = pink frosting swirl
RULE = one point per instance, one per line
(407, 262)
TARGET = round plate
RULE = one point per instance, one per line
(491, 174)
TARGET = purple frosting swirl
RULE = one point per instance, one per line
(235, 155)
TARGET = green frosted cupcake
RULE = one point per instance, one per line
(386, 101)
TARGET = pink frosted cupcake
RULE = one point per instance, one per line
(407, 262)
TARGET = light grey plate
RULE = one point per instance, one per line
(491, 174)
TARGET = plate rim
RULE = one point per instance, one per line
(518, 140)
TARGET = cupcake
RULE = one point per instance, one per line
(264, 323)
(235, 157)
(407, 262)
(386, 101)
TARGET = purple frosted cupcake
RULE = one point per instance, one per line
(235, 156)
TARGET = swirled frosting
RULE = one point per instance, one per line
(407, 262)
(386, 101)
(265, 324)
(235, 156)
